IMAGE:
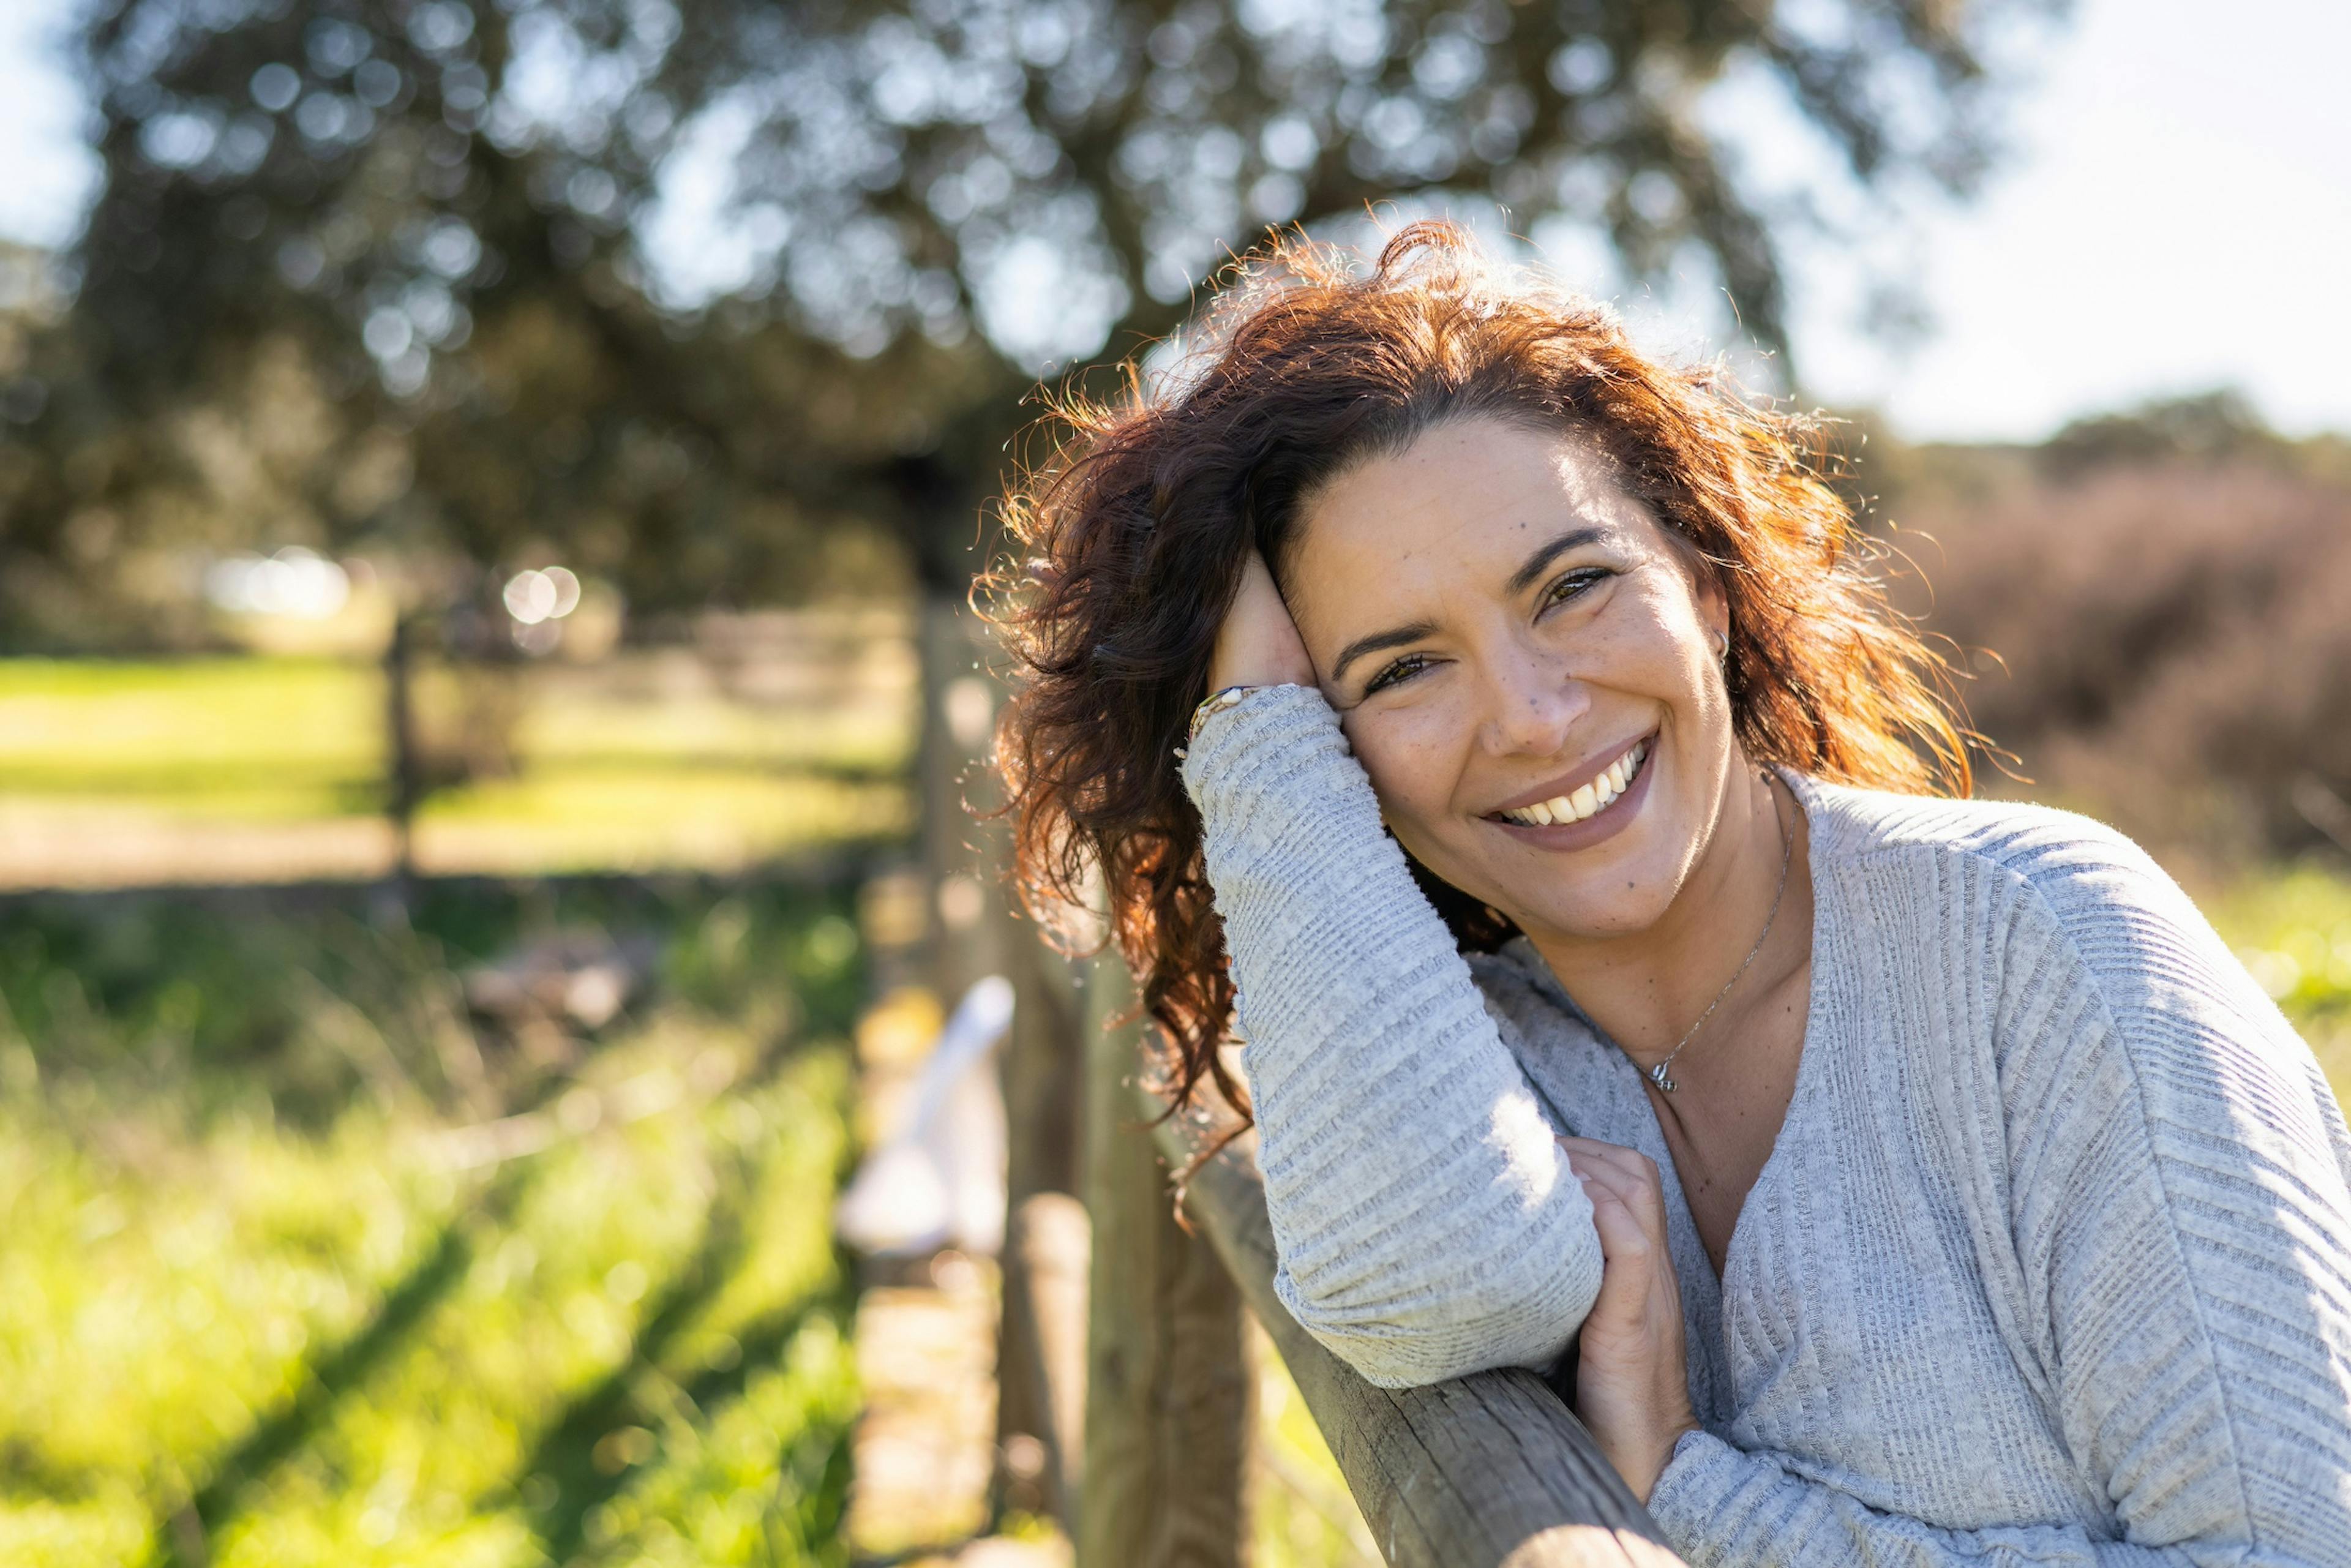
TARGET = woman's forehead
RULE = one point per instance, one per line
(1465, 501)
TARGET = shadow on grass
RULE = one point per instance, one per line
(564, 1471)
(566, 1458)
(183, 1537)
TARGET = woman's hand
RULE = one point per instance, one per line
(1631, 1376)
(1258, 644)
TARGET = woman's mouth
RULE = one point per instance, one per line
(1587, 799)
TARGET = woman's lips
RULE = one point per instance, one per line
(1603, 824)
(1582, 792)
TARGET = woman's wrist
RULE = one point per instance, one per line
(1211, 708)
(1258, 644)
(1269, 668)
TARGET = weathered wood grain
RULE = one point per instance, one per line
(1041, 1064)
(1047, 1240)
(1169, 1408)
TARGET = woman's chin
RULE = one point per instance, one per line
(1592, 913)
(1615, 889)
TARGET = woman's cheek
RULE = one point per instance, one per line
(1404, 767)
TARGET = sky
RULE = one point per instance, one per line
(2174, 215)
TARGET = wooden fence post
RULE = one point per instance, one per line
(957, 706)
(1170, 1403)
(1047, 1244)
(978, 933)
(1039, 1362)
(403, 769)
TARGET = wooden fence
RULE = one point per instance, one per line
(1136, 1384)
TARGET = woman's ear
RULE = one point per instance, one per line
(1707, 595)
(1713, 606)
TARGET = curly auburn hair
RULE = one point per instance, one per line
(1138, 526)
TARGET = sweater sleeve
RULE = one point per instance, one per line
(2177, 1203)
(1426, 1224)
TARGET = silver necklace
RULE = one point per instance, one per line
(1787, 846)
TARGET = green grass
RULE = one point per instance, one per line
(648, 818)
(261, 1312)
(76, 724)
(642, 763)
(2293, 929)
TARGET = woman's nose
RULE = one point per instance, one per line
(1533, 704)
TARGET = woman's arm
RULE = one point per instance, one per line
(1425, 1222)
(2183, 1236)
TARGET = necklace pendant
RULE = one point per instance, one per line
(1657, 1076)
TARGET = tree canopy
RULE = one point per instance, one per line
(698, 293)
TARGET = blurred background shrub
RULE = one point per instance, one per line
(2150, 605)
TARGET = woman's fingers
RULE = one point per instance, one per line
(1628, 1173)
(1624, 1239)
(1632, 1371)
(1615, 1156)
(1628, 1210)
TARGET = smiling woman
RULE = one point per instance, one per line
(1576, 841)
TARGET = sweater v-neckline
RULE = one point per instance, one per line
(1808, 1066)
(1627, 1074)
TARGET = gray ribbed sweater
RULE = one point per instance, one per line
(2049, 1265)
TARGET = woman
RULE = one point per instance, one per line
(1623, 974)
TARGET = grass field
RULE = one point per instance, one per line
(271, 1303)
(2293, 929)
(253, 768)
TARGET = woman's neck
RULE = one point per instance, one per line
(1645, 989)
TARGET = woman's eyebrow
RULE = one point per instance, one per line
(1394, 637)
(1545, 554)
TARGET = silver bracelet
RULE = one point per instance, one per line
(1214, 703)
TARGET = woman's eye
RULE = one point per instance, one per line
(1403, 669)
(1572, 584)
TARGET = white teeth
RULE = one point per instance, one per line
(1588, 797)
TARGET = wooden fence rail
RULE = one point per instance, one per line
(1484, 1471)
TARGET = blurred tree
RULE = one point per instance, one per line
(431, 274)
(2209, 427)
(354, 280)
(1053, 177)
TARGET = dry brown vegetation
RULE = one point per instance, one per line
(2162, 639)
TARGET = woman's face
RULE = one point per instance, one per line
(1511, 637)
